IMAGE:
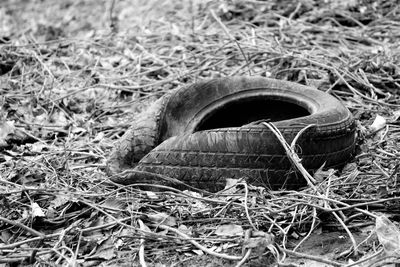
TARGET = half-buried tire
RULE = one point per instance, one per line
(205, 134)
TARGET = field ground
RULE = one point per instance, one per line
(74, 73)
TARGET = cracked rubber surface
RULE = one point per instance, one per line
(140, 138)
(169, 138)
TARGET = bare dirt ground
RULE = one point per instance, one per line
(74, 73)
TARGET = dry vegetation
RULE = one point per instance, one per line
(73, 73)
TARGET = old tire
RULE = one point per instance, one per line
(201, 147)
(139, 139)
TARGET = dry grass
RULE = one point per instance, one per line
(73, 73)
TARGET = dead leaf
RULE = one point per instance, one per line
(196, 205)
(59, 201)
(378, 124)
(349, 167)
(352, 176)
(162, 218)
(226, 246)
(257, 242)
(151, 195)
(319, 175)
(184, 229)
(119, 243)
(337, 4)
(59, 118)
(36, 210)
(105, 250)
(51, 213)
(6, 128)
(113, 61)
(194, 194)
(114, 205)
(396, 116)
(78, 130)
(37, 147)
(229, 230)
(143, 227)
(5, 236)
(388, 235)
(41, 118)
(5, 157)
(216, 249)
(230, 183)
(198, 252)
(99, 137)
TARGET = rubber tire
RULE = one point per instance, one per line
(205, 158)
(139, 139)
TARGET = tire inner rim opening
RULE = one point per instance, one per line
(247, 110)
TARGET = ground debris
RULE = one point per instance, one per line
(73, 73)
